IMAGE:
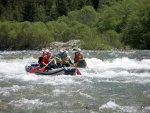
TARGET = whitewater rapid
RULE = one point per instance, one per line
(113, 82)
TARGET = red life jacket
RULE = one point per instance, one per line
(41, 58)
(78, 56)
(46, 60)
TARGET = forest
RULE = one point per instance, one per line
(99, 24)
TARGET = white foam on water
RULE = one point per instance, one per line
(129, 109)
(25, 103)
(122, 70)
(110, 105)
(7, 91)
(15, 66)
(86, 96)
(119, 67)
(58, 91)
(124, 63)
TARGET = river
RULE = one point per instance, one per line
(114, 82)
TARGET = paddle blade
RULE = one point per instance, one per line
(78, 72)
(33, 69)
(43, 68)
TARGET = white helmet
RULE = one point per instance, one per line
(61, 51)
(47, 50)
(66, 52)
(79, 50)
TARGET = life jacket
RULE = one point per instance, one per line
(65, 60)
(46, 60)
(78, 56)
(58, 59)
(41, 58)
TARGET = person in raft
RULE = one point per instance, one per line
(59, 58)
(78, 55)
(44, 54)
(66, 61)
(49, 61)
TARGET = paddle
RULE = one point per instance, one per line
(33, 69)
(78, 72)
(43, 68)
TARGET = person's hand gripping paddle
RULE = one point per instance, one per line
(43, 68)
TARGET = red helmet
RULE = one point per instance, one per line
(44, 53)
(49, 53)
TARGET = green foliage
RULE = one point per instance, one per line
(8, 34)
(4, 28)
(111, 24)
(67, 30)
(33, 36)
(56, 29)
(136, 33)
(98, 42)
(24, 35)
(114, 17)
(40, 15)
(128, 18)
(87, 16)
(61, 8)
(77, 30)
(30, 10)
(113, 38)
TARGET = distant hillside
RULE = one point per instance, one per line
(98, 24)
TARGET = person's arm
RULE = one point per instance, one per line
(43, 62)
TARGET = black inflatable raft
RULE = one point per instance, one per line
(56, 71)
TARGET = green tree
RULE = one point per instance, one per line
(40, 14)
(33, 36)
(61, 8)
(4, 31)
(136, 34)
(56, 29)
(53, 12)
(115, 17)
(87, 16)
(29, 11)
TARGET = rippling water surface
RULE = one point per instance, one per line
(114, 82)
